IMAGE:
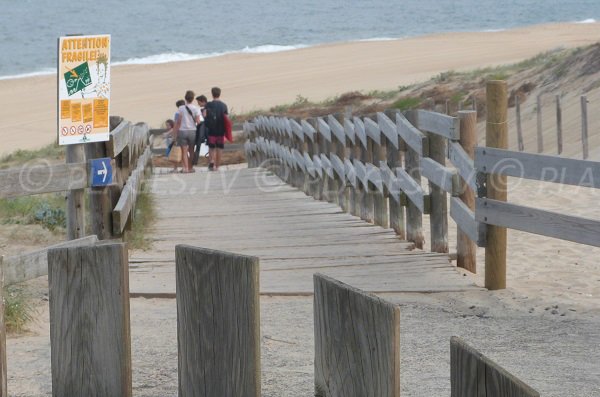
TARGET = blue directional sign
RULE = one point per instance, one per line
(101, 172)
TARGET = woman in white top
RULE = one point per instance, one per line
(188, 116)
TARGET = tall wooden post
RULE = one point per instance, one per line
(369, 197)
(89, 321)
(75, 198)
(414, 217)
(439, 205)
(218, 323)
(559, 137)
(394, 160)
(584, 127)
(496, 137)
(519, 127)
(101, 200)
(465, 248)
(540, 135)
(341, 149)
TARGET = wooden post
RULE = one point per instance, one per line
(584, 127)
(101, 200)
(465, 248)
(341, 149)
(218, 323)
(439, 206)
(380, 202)
(369, 196)
(317, 146)
(394, 159)
(414, 217)
(540, 135)
(357, 342)
(496, 137)
(559, 137)
(75, 198)
(3, 378)
(89, 321)
(519, 127)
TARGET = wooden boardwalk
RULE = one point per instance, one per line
(252, 212)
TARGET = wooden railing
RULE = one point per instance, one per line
(373, 167)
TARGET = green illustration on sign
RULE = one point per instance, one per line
(78, 78)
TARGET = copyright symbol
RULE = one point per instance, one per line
(32, 177)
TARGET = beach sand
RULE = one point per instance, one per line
(258, 81)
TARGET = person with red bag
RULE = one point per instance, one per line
(218, 126)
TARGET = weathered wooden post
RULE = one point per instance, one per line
(438, 199)
(359, 154)
(366, 196)
(412, 163)
(331, 185)
(394, 160)
(465, 248)
(3, 361)
(75, 198)
(336, 125)
(357, 342)
(351, 150)
(519, 127)
(218, 323)
(584, 127)
(377, 143)
(496, 137)
(101, 202)
(540, 135)
(559, 137)
(318, 144)
(89, 321)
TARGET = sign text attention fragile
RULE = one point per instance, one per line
(82, 49)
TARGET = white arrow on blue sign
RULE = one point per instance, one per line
(101, 171)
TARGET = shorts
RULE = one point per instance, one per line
(186, 138)
(215, 141)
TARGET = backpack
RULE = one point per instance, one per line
(214, 119)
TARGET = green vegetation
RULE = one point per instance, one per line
(20, 157)
(383, 95)
(17, 309)
(145, 214)
(300, 102)
(407, 103)
(47, 210)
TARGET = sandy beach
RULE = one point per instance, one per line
(258, 81)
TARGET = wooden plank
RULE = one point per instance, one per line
(463, 163)
(441, 176)
(474, 375)
(414, 138)
(438, 224)
(539, 167)
(337, 129)
(359, 131)
(28, 266)
(389, 129)
(310, 166)
(324, 129)
(75, 211)
(374, 176)
(532, 220)
(297, 129)
(373, 131)
(357, 342)
(350, 172)
(439, 124)
(361, 173)
(465, 219)
(411, 189)
(338, 167)
(309, 130)
(39, 177)
(327, 167)
(299, 160)
(218, 323)
(119, 139)
(349, 130)
(89, 321)
(390, 181)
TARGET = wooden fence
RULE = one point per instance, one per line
(374, 167)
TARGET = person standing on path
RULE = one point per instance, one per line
(215, 125)
(188, 116)
(201, 128)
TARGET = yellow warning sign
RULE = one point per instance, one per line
(100, 113)
(75, 112)
(65, 109)
(88, 115)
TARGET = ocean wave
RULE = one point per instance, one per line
(378, 39)
(590, 20)
(43, 72)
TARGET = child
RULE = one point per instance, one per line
(168, 136)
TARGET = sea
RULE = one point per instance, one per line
(159, 31)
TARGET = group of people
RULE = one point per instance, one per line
(193, 125)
